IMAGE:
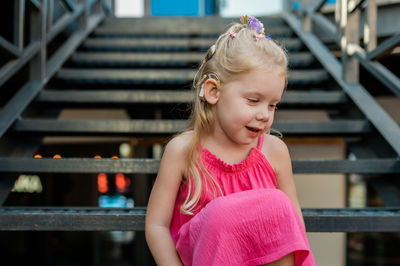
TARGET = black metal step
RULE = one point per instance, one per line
(121, 97)
(151, 29)
(157, 76)
(188, 59)
(166, 127)
(150, 166)
(111, 59)
(187, 21)
(132, 219)
(166, 44)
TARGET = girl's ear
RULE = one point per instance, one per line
(211, 91)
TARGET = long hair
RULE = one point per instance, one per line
(236, 51)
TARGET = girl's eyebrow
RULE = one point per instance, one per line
(254, 92)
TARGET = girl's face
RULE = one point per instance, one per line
(246, 105)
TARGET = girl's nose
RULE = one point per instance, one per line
(263, 115)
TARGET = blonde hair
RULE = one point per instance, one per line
(236, 51)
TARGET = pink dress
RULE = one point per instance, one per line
(254, 223)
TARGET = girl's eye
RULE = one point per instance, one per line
(253, 100)
(273, 106)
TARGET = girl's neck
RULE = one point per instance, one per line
(225, 149)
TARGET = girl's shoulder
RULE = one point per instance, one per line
(179, 143)
(276, 151)
(274, 144)
(173, 161)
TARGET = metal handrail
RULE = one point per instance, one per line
(387, 127)
(346, 27)
(86, 13)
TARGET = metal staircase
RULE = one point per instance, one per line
(145, 67)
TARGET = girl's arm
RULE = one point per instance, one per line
(278, 155)
(161, 204)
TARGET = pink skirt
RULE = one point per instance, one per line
(252, 227)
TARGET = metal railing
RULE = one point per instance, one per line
(345, 32)
(80, 15)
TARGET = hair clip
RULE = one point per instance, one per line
(259, 37)
(232, 34)
(253, 23)
(210, 52)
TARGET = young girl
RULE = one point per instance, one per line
(224, 194)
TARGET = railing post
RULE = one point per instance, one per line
(147, 8)
(286, 6)
(98, 6)
(338, 9)
(370, 26)
(109, 7)
(19, 18)
(50, 15)
(306, 22)
(82, 21)
(38, 28)
(349, 27)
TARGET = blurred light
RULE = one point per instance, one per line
(28, 183)
(115, 157)
(118, 201)
(122, 182)
(57, 156)
(97, 157)
(37, 156)
(130, 203)
(125, 150)
(296, 6)
(129, 8)
(157, 151)
(102, 183)
(235, 8)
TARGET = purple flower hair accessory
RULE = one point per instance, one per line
(252, 23)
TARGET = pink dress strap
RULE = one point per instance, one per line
(260, 142)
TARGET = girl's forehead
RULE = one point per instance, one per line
(260, 79)
(258, 72)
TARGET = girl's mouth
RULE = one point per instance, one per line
(255, 130)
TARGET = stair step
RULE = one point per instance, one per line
(150, 166)
(183, 21)
(151, 29)
(133, 219)
(110, 59)
(157, 76)
(165, 127)
(115, 96)
(100, 127)
(136, 59)
(172, 97)
(316, 97)
(166, 44)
